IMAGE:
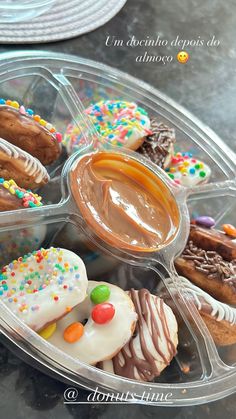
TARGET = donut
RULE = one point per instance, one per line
(25, 169)
(212, 239)
(13, 197)
(110, 317)
(159, 146)
(28, 131)
(118, 123)
(208, 261)
(186, 170)
(43, 286)
(20, 242)
(153, 344)
(220, 318)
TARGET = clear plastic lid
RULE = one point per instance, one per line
(59, 88)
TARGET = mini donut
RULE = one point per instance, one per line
(153, 344)
(15, 163)
(159, 146)
(186, 170)
(212, 239)
(20, 242)
(220, 318)
(29, 132)
(98, 341)
(118, 123)
(43, 286)
(203, 263)
(13, 197)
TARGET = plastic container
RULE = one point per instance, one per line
(58, 87)
(21, 10)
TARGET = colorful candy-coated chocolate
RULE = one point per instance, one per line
(205, 221)
(103, 313)
(186, 170)
(100, 294)
(73, 332)
(48, 331)
(229, 229)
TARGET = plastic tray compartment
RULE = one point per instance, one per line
(58, 87)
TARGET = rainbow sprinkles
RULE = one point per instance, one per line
(117, 123)
(28, 198)
(30, 113)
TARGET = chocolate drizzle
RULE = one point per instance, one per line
(157, 146)
(211, 263)
(152, 343)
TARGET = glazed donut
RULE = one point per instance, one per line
(111, 322)
(16, 164)
(159, 146)
(13, 197)
(208, 261)
(186, 170)
(153, 344)
(118, 123)
(43, 286)
(220, 318)
(29, 132)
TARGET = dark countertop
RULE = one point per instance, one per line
(206, 86)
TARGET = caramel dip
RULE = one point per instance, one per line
(124, 202)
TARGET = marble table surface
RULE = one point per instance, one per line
(206, 86)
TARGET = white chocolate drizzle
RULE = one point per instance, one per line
(220, 311)
(32, 166)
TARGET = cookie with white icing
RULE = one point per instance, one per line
(153, 344)
(26, 170)
(43, 286)
(188, 171)
(29, 131)
(220, 318)
(107, 322)
(118, 123)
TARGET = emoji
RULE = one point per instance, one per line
(182, 57)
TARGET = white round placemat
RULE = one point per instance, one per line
(66, 19)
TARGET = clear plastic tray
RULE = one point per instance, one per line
(59, 87)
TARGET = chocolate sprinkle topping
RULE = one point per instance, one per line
(211, 263)
(156, 146)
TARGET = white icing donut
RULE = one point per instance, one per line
(220, 311)
(31, 166)
(118, 123)
(99, 341)
(153, 345)
(43, 286)
(186, 170)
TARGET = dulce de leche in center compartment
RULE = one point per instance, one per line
(123, 202)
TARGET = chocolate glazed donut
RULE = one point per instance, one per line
(153, 344)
